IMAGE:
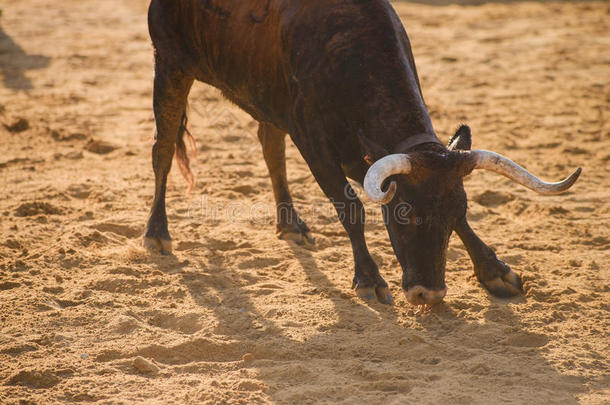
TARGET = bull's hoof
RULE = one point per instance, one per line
(506, 286)
(384, 295)
(298, 237)
(372, 294)
(498, 278)
(157, 245)
(295, 230)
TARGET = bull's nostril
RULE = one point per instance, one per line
(419, 295)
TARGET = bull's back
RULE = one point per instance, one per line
(261, 53)
(234, 45)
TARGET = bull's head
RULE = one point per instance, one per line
(425, 199)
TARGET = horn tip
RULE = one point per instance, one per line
(390, 193)
(575, 175)
(569, 182)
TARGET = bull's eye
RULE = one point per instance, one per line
(419, 220)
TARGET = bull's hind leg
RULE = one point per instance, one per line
(289, 225)
(171, 88)
(493, 273)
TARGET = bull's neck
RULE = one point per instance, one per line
(401, 114)
(404, 125)
(414, 140)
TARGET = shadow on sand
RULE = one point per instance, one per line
(385, 353)
(15, 62)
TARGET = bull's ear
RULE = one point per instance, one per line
(462, 140)
(372, 150)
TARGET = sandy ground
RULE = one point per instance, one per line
(238, 316)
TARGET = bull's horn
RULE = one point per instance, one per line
(381, 170)
(487, 160)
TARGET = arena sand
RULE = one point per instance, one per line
(238, 316)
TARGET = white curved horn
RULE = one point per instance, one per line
(381, 170)
(487, 160)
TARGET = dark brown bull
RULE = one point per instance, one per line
(339, 77)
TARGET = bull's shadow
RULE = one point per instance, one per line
(15, 62)
(238, 298)
(371, 349)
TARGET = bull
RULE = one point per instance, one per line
(339, 77)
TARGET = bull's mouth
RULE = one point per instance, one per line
(420, 295)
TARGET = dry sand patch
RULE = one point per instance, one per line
(237, 315)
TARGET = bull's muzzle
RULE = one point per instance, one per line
(419, 295)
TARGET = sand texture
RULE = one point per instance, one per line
(239, 316)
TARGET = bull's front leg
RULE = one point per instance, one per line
(289, 225)
(493, 273)
(329, 175)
